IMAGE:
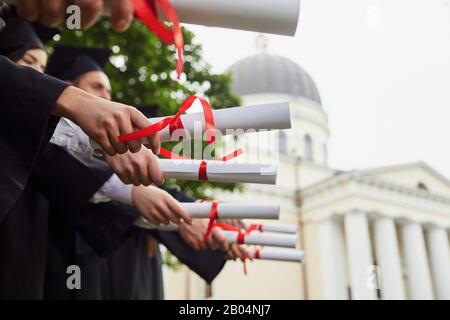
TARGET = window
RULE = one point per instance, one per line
(308, 147)
(422, 186)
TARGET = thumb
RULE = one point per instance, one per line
(139, 121)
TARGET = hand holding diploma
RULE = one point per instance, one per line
(159, 207)
(104, 120)
(270, 116)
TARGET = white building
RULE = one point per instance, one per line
(367, 234)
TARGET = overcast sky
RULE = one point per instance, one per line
(382, 68)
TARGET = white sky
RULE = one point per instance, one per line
(382, 68)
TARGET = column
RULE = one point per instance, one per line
(416, 261)
(359, 253)
(388, 259)
(439, 253)
(333, 268)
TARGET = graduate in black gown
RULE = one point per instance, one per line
(23, 229)
(126, 272)
(27, 100)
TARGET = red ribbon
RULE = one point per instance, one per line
(174, 122)
(257, 254)
(146, 12)
(255, 227)
(212, 219)
(240, 239)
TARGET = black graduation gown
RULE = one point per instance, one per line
(131, 274)
(105, 225)
(26, 100)
(67, 184)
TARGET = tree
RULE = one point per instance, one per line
(142, 73)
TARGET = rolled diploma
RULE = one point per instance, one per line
(272, 227)
(263, 239)
(270, 116)
(270, 16)
(219, 171)
(234, 210)
(279, 254)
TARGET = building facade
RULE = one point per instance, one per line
(367, 234)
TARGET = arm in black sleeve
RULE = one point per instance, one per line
(206, 263)
(27, 98)
(66, 182)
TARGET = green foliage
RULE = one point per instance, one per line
(143, 73)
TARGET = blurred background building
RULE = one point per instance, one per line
(379, 233)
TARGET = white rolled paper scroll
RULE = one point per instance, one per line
(270, 116)
(272, 227)
(269, 16)
(219, 171)
(263, 239)
(277, 254)
(234, 210)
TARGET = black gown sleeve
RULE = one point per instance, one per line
(105, 225)
(206, 263)
(26, 100)
(66, 182)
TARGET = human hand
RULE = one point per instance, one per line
(104, 120)
(158, 206)
(137, 168)
(193, 235)
(52, 13)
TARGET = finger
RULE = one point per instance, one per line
(124, 178)
(52, 12)
(164, 212)
(140, 173)
(121, 14)
(157, 217)
(91, 11)
(103, 141)
(237, 253)
(154, 171)
(221, 240)
(113, 133)
(139, 121)
(244, 253)
(127, 127)
(28, 10)
(154, 142)
(179, 211)
(132, 176)
(193, 243)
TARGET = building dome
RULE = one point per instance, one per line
(266, 73)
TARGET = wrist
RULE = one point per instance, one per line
(70, 102)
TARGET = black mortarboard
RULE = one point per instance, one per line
(70, 62)
(18, 36)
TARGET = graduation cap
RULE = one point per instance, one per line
(18, 36)
(70, 62)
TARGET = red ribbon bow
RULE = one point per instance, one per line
(145, 10)
(174, 122)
